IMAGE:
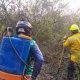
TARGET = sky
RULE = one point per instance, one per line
(73, 5)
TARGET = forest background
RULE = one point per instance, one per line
(51, 20)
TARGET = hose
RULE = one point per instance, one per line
(19, 57)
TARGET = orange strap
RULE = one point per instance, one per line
(7, 76)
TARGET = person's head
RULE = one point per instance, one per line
(23, 27)
(74, 29)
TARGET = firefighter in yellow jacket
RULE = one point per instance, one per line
(73, 42)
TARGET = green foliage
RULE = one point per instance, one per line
(49, 31)
(49, 26)
(2, 27)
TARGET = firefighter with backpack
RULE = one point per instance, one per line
(73, 42)
(18, 53)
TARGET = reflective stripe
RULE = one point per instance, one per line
(73, 39)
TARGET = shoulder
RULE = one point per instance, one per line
(33, 42)
(74, 36)
(71, 37)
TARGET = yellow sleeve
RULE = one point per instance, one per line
(66, 43)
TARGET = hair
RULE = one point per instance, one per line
(74, 31)
(27, 31)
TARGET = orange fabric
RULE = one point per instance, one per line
(25, 37)
(7, 76)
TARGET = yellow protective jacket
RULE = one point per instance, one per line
(74, 44)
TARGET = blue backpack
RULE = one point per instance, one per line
(14, 54)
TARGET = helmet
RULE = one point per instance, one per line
(23, 23)
(74, 27)
(24, 27)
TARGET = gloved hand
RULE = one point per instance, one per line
(64, 38)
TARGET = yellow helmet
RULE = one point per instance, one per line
(74, 27)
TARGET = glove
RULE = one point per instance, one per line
(64, 38)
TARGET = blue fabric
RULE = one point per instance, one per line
(9, 61)
(38, 57)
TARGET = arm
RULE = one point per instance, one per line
(66, 43)
(29, 69)
(38, 60)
